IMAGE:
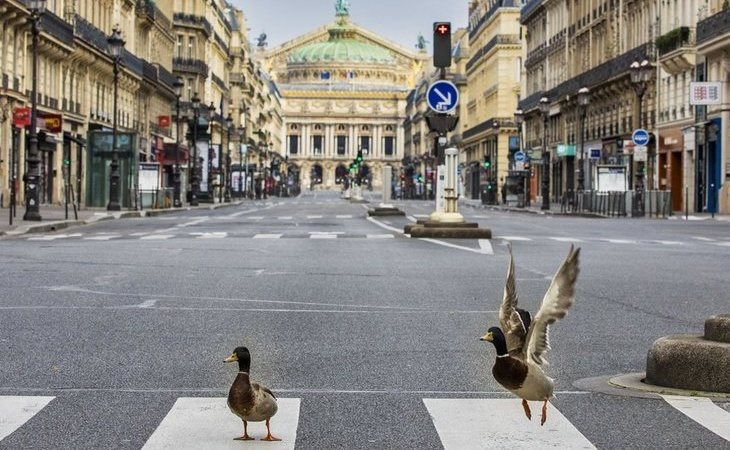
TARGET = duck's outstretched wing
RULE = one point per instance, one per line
(558, 299)
(510, 320)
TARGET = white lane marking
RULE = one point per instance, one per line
(486, 246)
(256, 218)
(16, 410)
(512, 238)
(566, 239)
(285, 218)
(157, 237)
(618, 241)
(465, 424)
(704, 412)
(138, 234)
(314, 217)
(412, 219)
(102, 238)
(48, 237)
(213, 235)
(380, 236)
(724, 244)
(384, 226)
(326, 232)
(344, 216)
(479, 250)
(322, 236)
(195, 423)
(668, 242)
(267, 236)
(704, 239)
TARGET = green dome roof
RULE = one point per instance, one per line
(341, 47)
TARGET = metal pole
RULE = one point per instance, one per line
(195, 178)
(545, 167)
(581, 169)
(32, 211)
(114, 176)
(227, 173)
(177, 200)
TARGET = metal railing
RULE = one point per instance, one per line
(655, 204)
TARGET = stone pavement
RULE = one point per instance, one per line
(54, 217)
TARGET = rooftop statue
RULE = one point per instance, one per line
(261, 40)
(342, 7)
(421, 43)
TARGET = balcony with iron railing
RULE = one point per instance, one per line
(57, 28)
(192, 20)
(500, 39)
(149, 9)
(190, 65)
(717, 25)
(530, 7)
(218, 81)
(676, 50)
(221, 43)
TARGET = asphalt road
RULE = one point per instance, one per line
(361, 326)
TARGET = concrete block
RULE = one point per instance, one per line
(380, 212)
(689, 362)
(717, 328)
(433, 224)
(451, 233)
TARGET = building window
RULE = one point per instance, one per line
(293, 144)
(341, 145)
(365, 144)
(325, 75)
(389, 145)
(317, 145)
(179, 47)
(191, 45)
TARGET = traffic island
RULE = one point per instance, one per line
(446, 230)
(381, 212)
(693, 362)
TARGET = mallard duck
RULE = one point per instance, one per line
(252, 402)
(521, 340)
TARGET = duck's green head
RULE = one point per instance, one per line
(496, 337)
(242, 356)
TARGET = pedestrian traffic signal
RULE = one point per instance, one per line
(442, 44)
(358, 160)
(487, 162)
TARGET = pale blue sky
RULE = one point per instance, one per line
(397, 20)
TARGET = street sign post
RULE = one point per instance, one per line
(442, 96)
(520, 156)
(640, 137)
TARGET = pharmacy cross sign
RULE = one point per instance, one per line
(442, 96)
(443, 29)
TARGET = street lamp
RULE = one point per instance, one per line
(641, 73)
(519, 120)
(176, 200)
(195, 183)
(241, 143)
(584, 98)
(211, 114)
(544, 110)
(116, 43)
(32, 200)
(227, 173)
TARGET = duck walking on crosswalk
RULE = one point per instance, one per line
(252, 402)
(521, 341)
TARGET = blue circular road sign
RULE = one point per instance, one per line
(640, 137)
(442, 96)
(519, 156)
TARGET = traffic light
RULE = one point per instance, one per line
(487, 164)
(442, 44)
(358, 160)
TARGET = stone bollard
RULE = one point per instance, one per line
(693, 362)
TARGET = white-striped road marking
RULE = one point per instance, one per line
(704, 239)
(16, 410)
(668, 242)
(157, 237)
(512, 238)
(464, 424)
(53, 237)
(566, 239)
(267, 236)
(619, 241)
(314, 217)
(214, 235)
(197, 423)
(322, 236)
(344, 216)
(256, 218)
(384, 226)
(486, 246)
(285, 218)
(103, 238)
(724, 244)
(380, 236)
(704, 412)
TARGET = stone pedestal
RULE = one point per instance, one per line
(693, 362)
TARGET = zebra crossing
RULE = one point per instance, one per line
(617, 240)
(460, 423)
(212, 235)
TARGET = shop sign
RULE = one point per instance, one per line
(566, 150)
(21, 117)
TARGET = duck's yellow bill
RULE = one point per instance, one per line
(232, 358)
(487, 337)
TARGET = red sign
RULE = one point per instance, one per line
(443, 28)
(21, 117)
(53, 123)
(163, 121)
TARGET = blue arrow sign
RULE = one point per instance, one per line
(519, 156)
(442, 96)
(640, 137)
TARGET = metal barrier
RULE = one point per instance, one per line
(618, 203)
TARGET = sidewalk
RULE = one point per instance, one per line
(54, 217)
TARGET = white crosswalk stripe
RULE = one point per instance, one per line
(16, 410)
(704, 412)
(267, 236)
(344, 216)
(566, 239)
(214, 235)
(619, 241)
(197, 423)
(323, 236)
(314, 217)
(157, 237)
(102, 238)
(464, 424)
(380, 236)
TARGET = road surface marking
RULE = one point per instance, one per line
(384, 226)
(256, 218)
(566, 239)
(668, 242)
(196, 423)
(480, 250)
(512, 238)
(49, 237)
(704, 412)
(16, 410)
(157, 237)
(704, 239)
(619, 241)
(314, 217)
(344, 216)
(285, 218)
(379, 236)
(501, 423)
(724, 244)
(486, 246)
(322, 236)
(102, 238)
(267, 236)
(214, 235)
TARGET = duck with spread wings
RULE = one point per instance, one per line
(521, 341)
